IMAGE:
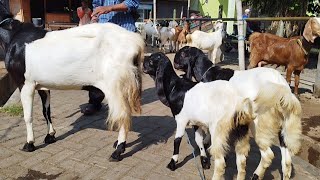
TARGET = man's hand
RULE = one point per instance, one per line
(94, 19)
(101, 10)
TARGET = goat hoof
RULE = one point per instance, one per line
(115, 156)
(115, 144)
(205, 162)
(29, 147)
(172, 165)
(255, 177)
(49, 139)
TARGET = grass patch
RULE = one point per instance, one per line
(13, 110)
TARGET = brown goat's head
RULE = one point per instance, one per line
(312, 29)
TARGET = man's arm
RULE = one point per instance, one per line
(125, 6)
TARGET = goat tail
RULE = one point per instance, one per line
(126, 97)
(291, 128)
(135, 94)
(280, 98)
(244, 114)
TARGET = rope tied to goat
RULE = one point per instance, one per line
(301, 45)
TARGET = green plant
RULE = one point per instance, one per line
(13, 110)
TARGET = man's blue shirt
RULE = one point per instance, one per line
(123, 19)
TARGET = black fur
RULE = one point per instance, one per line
(49, 139)
(172, 165)
(205, 162)
(177, 142)
(115, 156)
(196, 64)
(281, 140)
(255, 177)
(13, 37)
(29, 147)
(170, 88)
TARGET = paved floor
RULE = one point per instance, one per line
(84, 146)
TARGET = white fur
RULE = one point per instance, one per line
(213, 105)
(208, 41)
(166, 35)
(173, 24)
(268, 122)
(150, 30)
(100, 55)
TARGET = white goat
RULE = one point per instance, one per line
(166, 35)
(173, 24)
(284, 117)
(208, 41)
(219, 106)
(150, 30)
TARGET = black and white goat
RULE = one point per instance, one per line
(215, 105)
(103, 56)
(282, 121)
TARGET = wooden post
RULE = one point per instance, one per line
(188, 10)
(154, 11)
(317, 82)
(241, 36)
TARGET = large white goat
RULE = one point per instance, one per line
(104, 56)
(208, 41)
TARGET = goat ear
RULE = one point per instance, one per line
(189, 70)
(307, 33)
(160, 78)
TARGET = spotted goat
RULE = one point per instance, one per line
(41, 60)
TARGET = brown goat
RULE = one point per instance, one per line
(177, 29)
(289, 52)
(182, 35)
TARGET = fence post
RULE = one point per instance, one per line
(241, 36)
(317, 82)
(200, 24)
(220, 11)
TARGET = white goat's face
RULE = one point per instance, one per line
(312, 29)
(218, 25)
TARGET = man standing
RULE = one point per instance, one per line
(84, 13)
(114, 11)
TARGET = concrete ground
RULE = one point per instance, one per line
(84, 145)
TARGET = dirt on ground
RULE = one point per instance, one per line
(311, 115)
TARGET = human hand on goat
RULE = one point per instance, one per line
(101, 10)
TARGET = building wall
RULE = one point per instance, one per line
(211, 7)
(165, 8)
(21, 10)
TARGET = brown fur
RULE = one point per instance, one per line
(271, 49)
(182, 35)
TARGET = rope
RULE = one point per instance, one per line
(201, 172)
(300, 44)
(3, 21)
(205, 73)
